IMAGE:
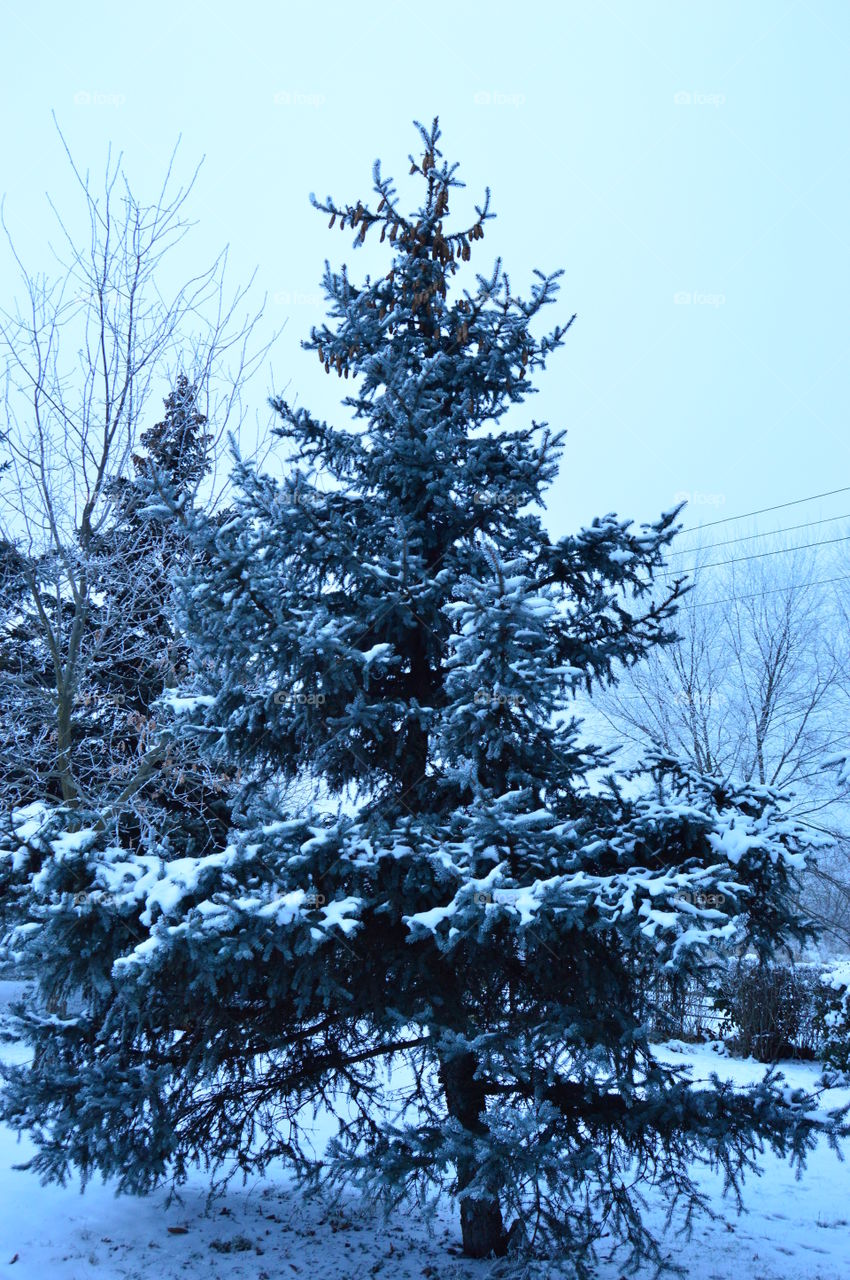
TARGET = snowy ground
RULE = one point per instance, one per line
(267, 1231)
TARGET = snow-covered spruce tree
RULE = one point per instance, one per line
(457, 962)
(106, 664)
(80, 679)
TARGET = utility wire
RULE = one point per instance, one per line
(780, 506)
(760, 555)
(707, 604)
(751, 537)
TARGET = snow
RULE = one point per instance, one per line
(73, 842)
(377, 652)
(336, 913)
(157, 883)
(837, 976)
(267, 1229)
(187, 703)
(28, 821)
(431, 919)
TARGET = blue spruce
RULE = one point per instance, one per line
(453, 949)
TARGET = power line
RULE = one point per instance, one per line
(760, 555)
(780, 506)
(751, 537)
(707, 604)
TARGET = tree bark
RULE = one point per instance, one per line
(482, 1227)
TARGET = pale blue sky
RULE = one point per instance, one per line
(655, 151)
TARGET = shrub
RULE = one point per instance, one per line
(833, 1012)
(768, 1009)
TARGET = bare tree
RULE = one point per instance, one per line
(87, 351)
(756, 690)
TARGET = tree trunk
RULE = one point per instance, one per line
(63, 744)
(481, 1224)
